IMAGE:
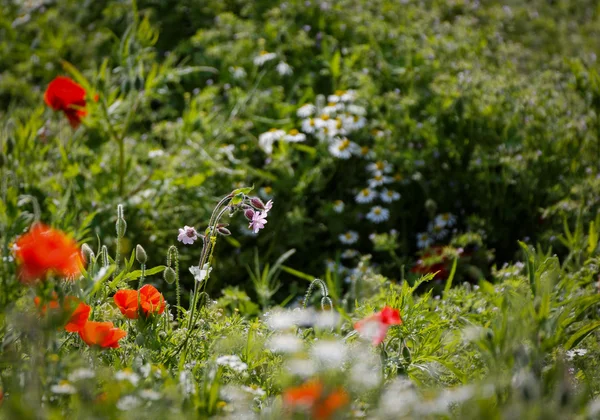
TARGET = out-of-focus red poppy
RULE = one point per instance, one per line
(64, 94)
(150, 300)
(375, 327)
(102, 334)
(76, 311)
(43, 251)
(79, 315)
(309, 396)
(432, 261)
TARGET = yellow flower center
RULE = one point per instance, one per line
(339, 92)
(294, 132)
(378, 177)
(268, 190)
(390, 193)
(324, 117)
(380, 165)
(263, 52)
(344, 145)
(364, 150)
(365, 192)
(377, 211)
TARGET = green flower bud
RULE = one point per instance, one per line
(140, 254)
(169, 275)
(121, 224)
(87, 253)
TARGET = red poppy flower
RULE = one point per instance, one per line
(77, 311)
(79, 315)
(309, 396)
(150, 301)
(103, 334)
(44, 250)
(64, 94)
(375, 327)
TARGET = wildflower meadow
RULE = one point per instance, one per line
(300, 209)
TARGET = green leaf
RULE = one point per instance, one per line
(451, 276)
(244, 190)
(581, 334)
(592, 238)
(335, 65)
(137, 273)
(297, 273)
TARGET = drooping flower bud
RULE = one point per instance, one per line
(249, 213)
(169, 275)
(140, 254)
(87, 253)
(257, 202)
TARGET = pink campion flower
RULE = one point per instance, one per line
(375, 327)
(268, 206)
(187, 235)
(259, 219)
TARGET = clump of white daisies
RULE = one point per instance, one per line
(437, 230)
(330, 122)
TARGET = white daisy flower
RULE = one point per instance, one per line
(334, 99)
(342, 148)
(264, 57)
(330, 109)
(366, 195)
(379, 179)
(127, 375)
(284, 69)
(445, 220)
(349, 237)
(338, 206)
(233, 362)
(266, 140)
(238, 73)
(387, 196)
(63, 387)
(437, 231)
(378, 214)
(348, 96)
(380, 166)
(424, 240)
(306, 110)
(294, 136)
(356, 110)
(349, 253)
(308, 125)
(365, 152)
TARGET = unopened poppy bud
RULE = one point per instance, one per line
(249, 213)
(140, 254)
(87, 253)
(121, 224)
(257, 202)
(169, 275)
(140, 339)
(224, 231)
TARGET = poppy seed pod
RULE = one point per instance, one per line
(169, 275)
(257, 202)
(140, 254)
